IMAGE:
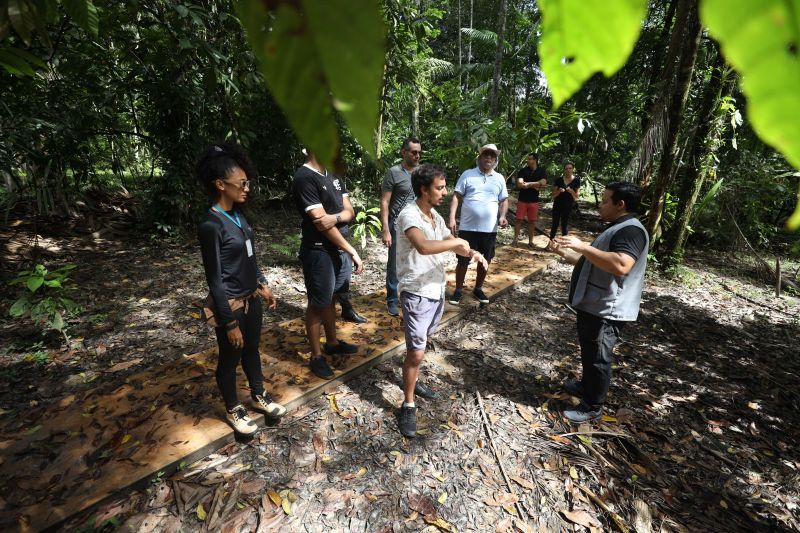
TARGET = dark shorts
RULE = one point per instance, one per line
(480, 241)
(326, 272)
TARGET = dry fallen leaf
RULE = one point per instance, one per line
(582, 518)
(501, 499)
(438, 522)
(421, 504)
(275, 497)
(201, 513)
(287, 506)
(524, 482)
(442, 497)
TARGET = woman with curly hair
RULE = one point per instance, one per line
(236, 284)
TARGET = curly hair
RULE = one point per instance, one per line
(217, 162)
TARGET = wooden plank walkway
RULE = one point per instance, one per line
(103, 441)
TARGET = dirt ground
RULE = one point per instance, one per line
(700, 431)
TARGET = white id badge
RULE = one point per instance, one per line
(249, 246)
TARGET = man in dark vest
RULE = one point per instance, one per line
(605, 290)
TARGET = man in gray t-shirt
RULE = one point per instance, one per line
(396, 192)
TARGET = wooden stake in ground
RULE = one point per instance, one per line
(488, 428)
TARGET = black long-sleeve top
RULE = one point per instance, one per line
(230, 272)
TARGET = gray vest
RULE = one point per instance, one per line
(608, 296)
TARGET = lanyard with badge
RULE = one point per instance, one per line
(238, 222)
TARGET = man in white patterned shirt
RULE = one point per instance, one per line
(423, 241)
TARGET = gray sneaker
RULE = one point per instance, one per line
(582, 413)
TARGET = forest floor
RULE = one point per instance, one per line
(700, 431)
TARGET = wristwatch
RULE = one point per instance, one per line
(338, 218)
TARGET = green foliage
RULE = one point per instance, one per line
(761, 40)
(44, 298)
(582, 37)
(366, 224)
(314, 68)
(290, 246)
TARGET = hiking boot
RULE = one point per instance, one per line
(407, 421)
(319, 366)
(573, 387)
(342, 348)
(582, 413)
(265, 404)
(421, 390)
(392, 308)
(456, 297)
(480, 295)
(240, 421)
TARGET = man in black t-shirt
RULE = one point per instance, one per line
(605, 290)
(327, 258)
(530, 180)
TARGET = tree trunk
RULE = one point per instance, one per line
(676, 105)
(469, 46)
(658, 58)
(415, 117)
(498, 59)
(459, 46)
(653, 138)
(708, 140)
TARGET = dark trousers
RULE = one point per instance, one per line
(391, 266)
(229, 357)
(597, 337)
(560, 217)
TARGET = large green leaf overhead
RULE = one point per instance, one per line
(761, 39)
(319, 57)
(582, 37)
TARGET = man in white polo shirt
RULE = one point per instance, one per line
(483, 192)
(422, 240)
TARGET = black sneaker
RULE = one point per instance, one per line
(424, 392)
(582, 413)
(391, 306)
(341, 348)
(351, 315)
(407, 421)
(574, 387)
(456, 297)
(319, 366)
(480, 295)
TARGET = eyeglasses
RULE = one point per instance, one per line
(242, 185)
(489, 154)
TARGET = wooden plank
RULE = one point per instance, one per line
(89, 447)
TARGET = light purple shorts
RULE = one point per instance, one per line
(421, 317)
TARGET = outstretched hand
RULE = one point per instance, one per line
(570, 242)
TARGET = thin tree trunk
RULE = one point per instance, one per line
(498, 59)
(653, 140)
(677, 104)
(658, 57)
(709, 140)
(459, 46)
(469, 45)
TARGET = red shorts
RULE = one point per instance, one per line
(529, 208)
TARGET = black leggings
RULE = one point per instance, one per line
(560, 215)
(250, 325)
